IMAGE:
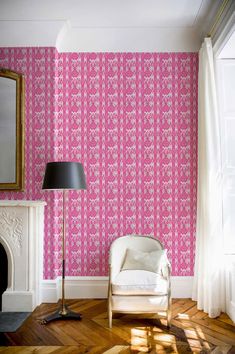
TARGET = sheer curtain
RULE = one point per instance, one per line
(208, 287)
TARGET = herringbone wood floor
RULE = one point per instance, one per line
(191, 332)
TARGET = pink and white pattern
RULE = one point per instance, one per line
(131, 118)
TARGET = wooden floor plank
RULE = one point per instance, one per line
(43, 350)
(220, 330)
(62, 332)
(225, 319)
(182, 307)
(192, 331)
(202, 333)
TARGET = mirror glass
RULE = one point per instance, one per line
(7, 130)
(11, 130)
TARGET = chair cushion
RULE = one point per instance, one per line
(139, 304)
(139, 282)
(152, 261)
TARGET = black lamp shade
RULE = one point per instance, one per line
(64, 175)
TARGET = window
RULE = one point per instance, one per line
(226, 96)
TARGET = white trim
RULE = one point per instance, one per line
(224, 33)
(230, 310)
(22, 203)
(181, 287)
(124, 39)
(14, 301)
(97, 287)
(25, 263)
(230, 286)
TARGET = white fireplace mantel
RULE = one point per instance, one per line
(21, 234)
(22, 203)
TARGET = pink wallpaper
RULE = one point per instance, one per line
(131, 118)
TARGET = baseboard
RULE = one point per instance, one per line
(15, 301)
(230, 310)
(181, 287)
(97, 288)
(230, 286)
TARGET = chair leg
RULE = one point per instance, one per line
(168, 318)
(168, 313)
(110, 317)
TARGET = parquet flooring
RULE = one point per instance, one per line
(192, 331)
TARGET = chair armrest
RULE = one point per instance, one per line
(114, 269)
(166, 270)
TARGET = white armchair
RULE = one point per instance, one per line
(136, 287)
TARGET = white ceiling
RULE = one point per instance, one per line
(106, 25)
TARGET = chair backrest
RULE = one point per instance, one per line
(136, 242)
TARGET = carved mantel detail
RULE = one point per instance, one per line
(11, 227)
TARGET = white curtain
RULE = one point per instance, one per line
(208, 287)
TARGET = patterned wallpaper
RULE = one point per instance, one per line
(131, 118)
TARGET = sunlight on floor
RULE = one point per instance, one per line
(167, 342)
(184, 336)
(139, 339)
(203, 338)
(145, 339)
(183, 316)
(194, 334)
(163, 337)
(200, 332)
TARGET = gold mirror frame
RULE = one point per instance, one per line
(18, 183)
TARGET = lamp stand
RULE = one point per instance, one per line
(63, 313)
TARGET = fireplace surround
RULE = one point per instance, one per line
(21, 235)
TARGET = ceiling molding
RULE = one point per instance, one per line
(77, 39)
(105, 25)
(29, 33)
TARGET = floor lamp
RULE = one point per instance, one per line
(64, 176)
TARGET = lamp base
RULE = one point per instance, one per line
(61, 314)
